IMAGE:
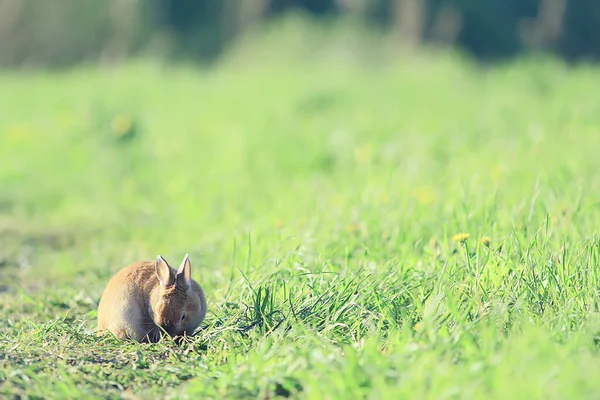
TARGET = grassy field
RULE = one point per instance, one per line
(423, 229)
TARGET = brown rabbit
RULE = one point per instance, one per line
(149, 297)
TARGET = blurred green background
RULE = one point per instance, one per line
(65, 32)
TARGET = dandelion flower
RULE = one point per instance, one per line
(496, 172)
(122, 125)
(17, 133)
(486, 241)
(418, 326)
(363, 154)
(352, 228)
(461, 237)
(424, 194)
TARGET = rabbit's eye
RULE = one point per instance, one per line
(182, 316)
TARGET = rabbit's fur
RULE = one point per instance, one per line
(147, 298)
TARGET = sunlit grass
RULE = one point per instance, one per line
(425, 229)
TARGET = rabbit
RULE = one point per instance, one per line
(149, 297)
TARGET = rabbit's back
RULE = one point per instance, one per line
(124, 306)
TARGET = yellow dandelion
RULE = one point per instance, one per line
(418, 326)
(424, 194)
(352, 228)
(363, 154)
(17, 133)
(433, 244)
(486, 240)
(122, 125)
(461, 237)
(338, 201)
(496, 172)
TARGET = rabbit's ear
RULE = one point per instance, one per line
(163, 272)
(184, 273)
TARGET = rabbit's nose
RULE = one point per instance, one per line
(167, 328)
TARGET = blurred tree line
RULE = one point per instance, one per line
(64, 32)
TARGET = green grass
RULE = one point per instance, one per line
(318, 202)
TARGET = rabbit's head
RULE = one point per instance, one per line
(177, 305)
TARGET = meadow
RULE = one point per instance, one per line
(423, 228)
